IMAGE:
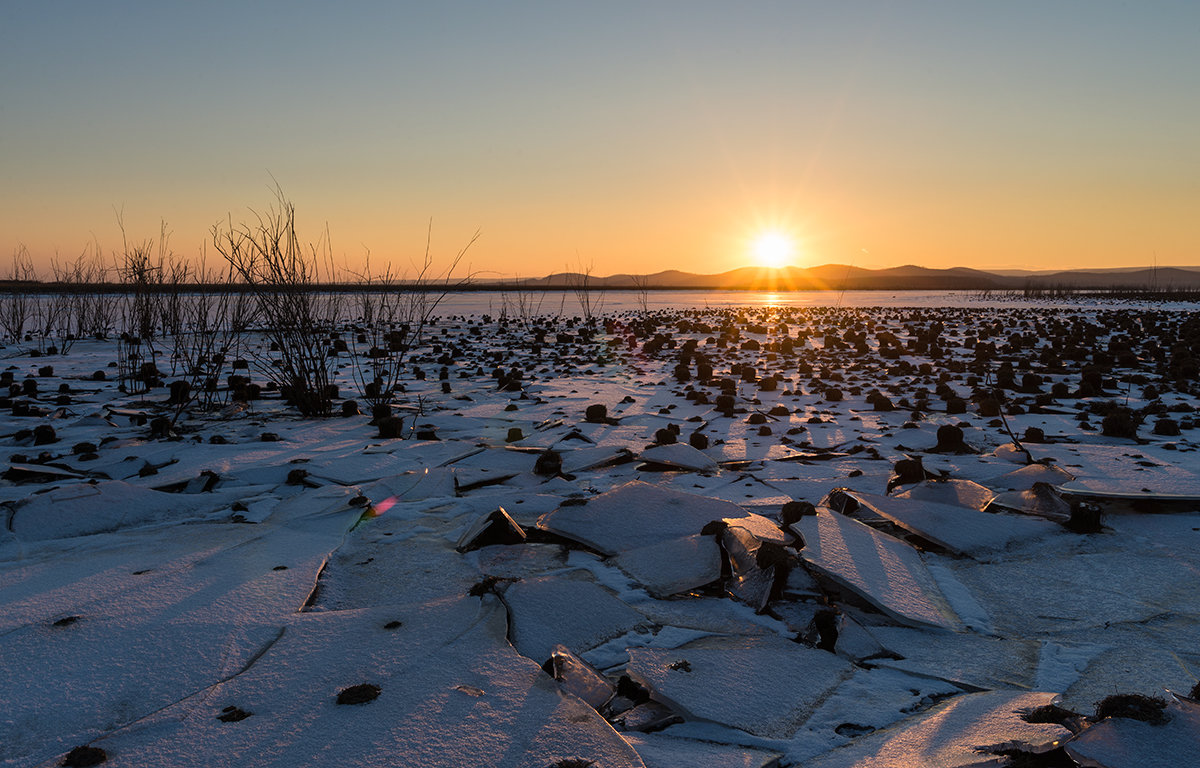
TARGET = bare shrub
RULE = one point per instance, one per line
(590, 303)
(296, 316)
(394, 313)
(18, 304)
(213, 323)
(82, 308)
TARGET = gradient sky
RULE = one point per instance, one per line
(622, 136)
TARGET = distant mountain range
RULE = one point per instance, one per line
(839, 277)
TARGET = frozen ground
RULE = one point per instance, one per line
(254, 588)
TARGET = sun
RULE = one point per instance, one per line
(772, 249)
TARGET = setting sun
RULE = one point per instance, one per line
(772, 249)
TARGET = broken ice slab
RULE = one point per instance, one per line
(647, 716)
(567, 609)
(680, 456)
(506, 562)
(964, 732)
(1116, 498)
(1041, 500)
(885, 571)
(1132, 659)
(1117, 470)
(975, 661)
(660, 751)
(638, 514)
(496, 527)
(959, 493)
(766, 686)
(753, 573)
(41, 473)
(583, 459)
(670, 567)
(960, 529)
(723, 617)
(1108, 582)
(1122, 742)
(1027, 477)
(578, 678)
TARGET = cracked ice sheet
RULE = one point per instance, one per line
(1116, 469)
(84, 509)
(568, 609)
(1086, 582)
(973, 660)
(659, 751)
(637, 514)
(203, 606)
(870, 700)
(953, 492)
(766, 686)
(1124, 743)
(374, 569)
(885, 571)
(951, 735)
(677, 565)
(453, 693)
(1134, 658)
(959, 529)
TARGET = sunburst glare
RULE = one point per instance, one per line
(773, 249)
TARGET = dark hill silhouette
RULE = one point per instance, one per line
(907, 277)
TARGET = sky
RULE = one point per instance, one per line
(611, 137)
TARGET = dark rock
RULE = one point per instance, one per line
(907, 472)
(391, 427)
(1033, 435)
(43, 434)
(1166, 427)
(1085, 518)
(84, 756)
(358, 694)
(989, 407)
(794, 510)
(1120, 422)
(548, 464)
(1133, 706)
(181, 393)
(950, 440)
(160, 428)
(233, 715)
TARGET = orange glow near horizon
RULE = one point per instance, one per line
(659, 136)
